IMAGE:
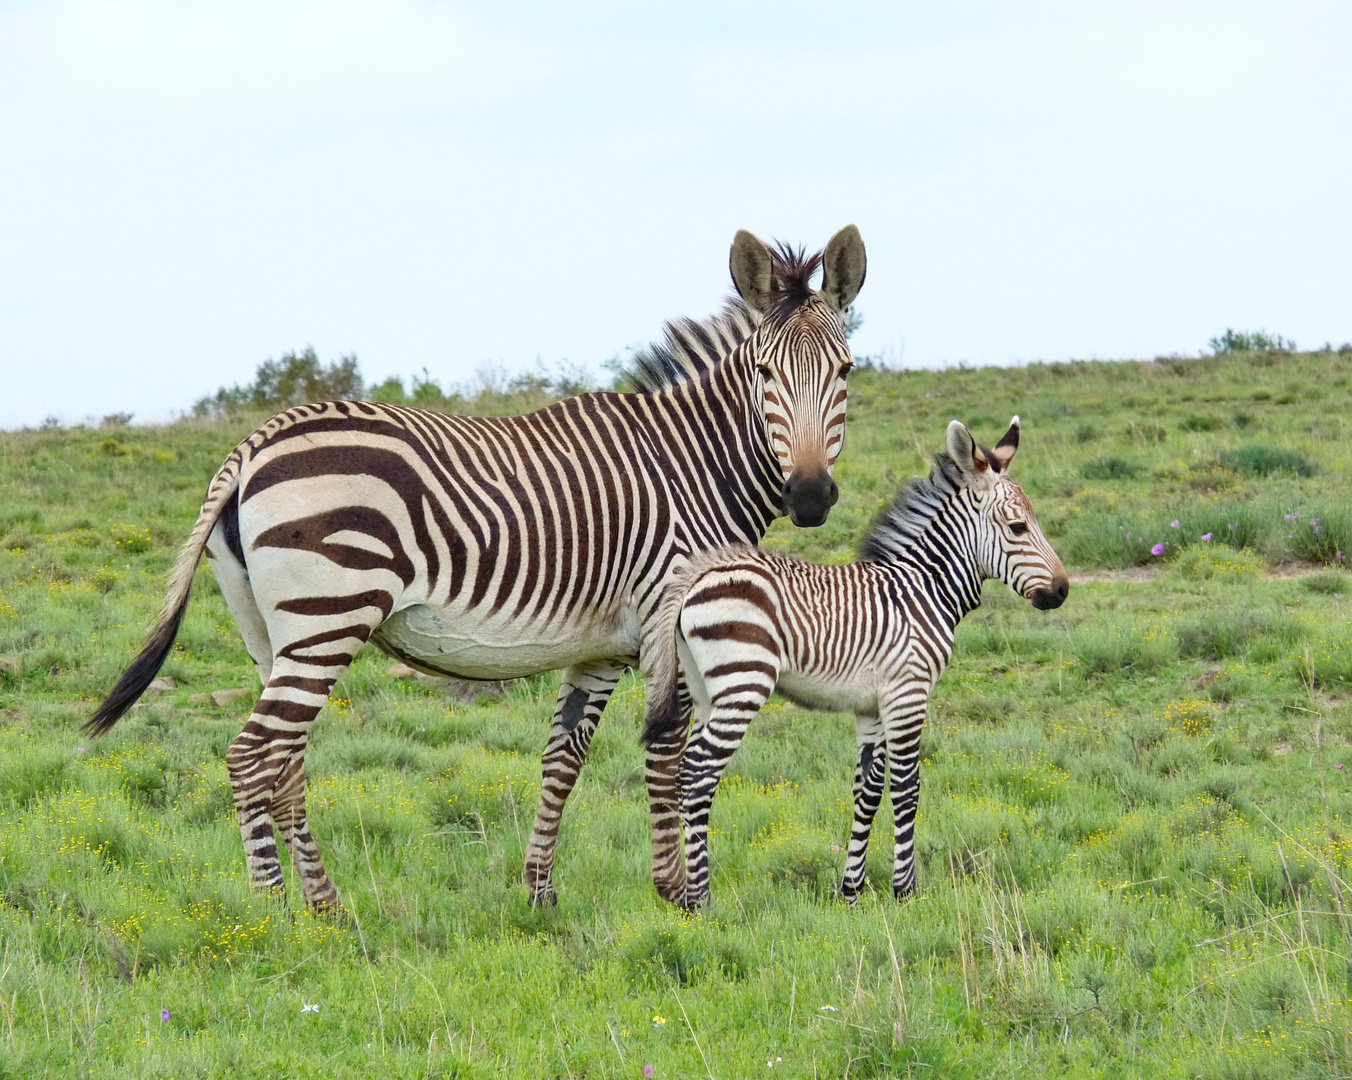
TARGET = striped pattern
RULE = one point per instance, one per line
(489, 547)
(873, 638)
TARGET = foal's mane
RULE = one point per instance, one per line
(912, 512)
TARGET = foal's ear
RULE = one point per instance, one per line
(1003, 453)
(752, 269)
(962, 448)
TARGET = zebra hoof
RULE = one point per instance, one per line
(903, 892)
(333, 911)
(544, 898)
(850, 895)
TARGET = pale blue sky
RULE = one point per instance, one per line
(189, 189)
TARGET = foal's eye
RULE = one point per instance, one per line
(1018, 528)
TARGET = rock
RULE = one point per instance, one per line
(160, 685)
(1209, 676)
(9, 665)
(222, 698)
(200, 699)
(402, 671)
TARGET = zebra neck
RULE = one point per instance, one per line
(733, 482)
(949, 574)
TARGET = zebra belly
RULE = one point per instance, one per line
(829, 693)
(451, 643)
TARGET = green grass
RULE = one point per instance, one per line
(1133, 841)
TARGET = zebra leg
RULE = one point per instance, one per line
(661, 774)
(702, 767)
(288, 813)
(266, 764)
(903, 725)
(869, 776)
(582, 696)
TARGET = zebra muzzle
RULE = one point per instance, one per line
(808, 497)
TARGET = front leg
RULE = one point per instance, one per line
(582, 697)
(903, 723)
(869, 776)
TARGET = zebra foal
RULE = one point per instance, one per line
(497, 547)
(872, 637)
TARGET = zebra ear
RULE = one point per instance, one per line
(843, 267)
(752, 269)
(962, 448)
(1003, 453)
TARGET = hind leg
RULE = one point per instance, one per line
(233, 579)
(582, 697)
(266, 761)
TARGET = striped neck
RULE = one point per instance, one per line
(732, 474)
(929, 530)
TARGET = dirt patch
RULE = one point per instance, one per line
(1136, 575)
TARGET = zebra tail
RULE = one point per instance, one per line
(148, 662)
(663, 715)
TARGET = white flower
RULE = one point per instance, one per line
(828, 1008)
(309, 1008)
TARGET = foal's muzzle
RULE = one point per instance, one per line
(1053, 596)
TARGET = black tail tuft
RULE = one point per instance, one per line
(664, 714)
(138, 676)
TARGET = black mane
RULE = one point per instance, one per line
(690, 348)
(911, 512)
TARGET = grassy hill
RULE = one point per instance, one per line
(1133, 837)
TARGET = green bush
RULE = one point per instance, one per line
(1255, 459)
(1110, 468)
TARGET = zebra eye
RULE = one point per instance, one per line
(1018, 528)
(846, 369)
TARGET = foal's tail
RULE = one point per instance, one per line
(132, 684)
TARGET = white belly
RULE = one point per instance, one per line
(830, 693)
(454, 643)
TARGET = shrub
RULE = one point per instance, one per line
(1255, 459)
(1208, 562)
(1253, 341)
(295, 379)
(1201, 422)
(1326, 538)
(1109, 468)
(1328, 582)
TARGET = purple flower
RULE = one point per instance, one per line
(1173, 524)
(165, 1014)
(79, 749)
(1291, 517)
(1338, 555)
(1340, 768)
(1206, 538)
(1158, 549)
(647, 1070)
(1231, 527)
(1314, 523)
(835, 849)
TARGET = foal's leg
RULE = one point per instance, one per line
(661, 773)
(869, 776)
(582, 696)
(735, 695)
(903, 722)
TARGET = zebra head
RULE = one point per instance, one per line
(1009, 543)
(801, 355)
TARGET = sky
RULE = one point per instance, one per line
(187, 190)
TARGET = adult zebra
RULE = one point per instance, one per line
(492, 548)
(873, 637)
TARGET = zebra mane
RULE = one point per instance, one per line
(691, 347)
(912, 512)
